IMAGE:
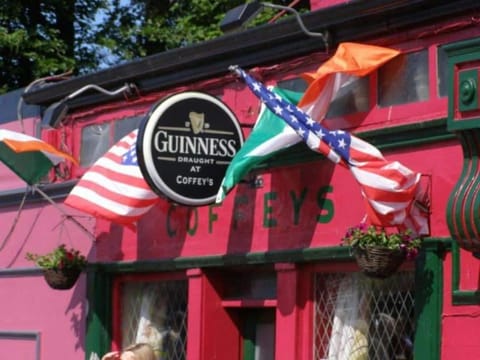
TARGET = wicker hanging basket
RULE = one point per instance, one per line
(61, 279)
(378, 262)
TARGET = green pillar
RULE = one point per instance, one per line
(428, 301)
(99, 315)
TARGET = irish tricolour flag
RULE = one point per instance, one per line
(350, 60)
(28, 157)
(272, 134)
(269, 135)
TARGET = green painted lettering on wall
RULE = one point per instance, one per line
(212, 217)
(297, 203)
(192, 228)
(325, 205)
(191, 223)
(268, 220)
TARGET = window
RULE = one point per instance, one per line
(295, 84)
(352, 97)
(362, 318)
(442, 71)
(95, 142)
(404, 79)
(155, 312)
(98, 138)
(125, 126)
(247, 285)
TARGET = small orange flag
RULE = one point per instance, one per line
(350, 58)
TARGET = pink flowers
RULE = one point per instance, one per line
(59, 258)
(369, 236)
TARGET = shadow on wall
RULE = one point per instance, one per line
(78, 308)
(302, 202)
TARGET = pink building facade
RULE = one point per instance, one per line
(262, 275)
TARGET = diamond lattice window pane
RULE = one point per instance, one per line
(156, 313)
(357, 317)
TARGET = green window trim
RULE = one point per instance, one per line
(99, 316)
(461, 297)
(428, 299)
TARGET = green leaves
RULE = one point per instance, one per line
(36, 40)
(59, 258)
(39, 39)
(371, 236)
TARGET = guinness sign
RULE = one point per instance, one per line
(185, 144)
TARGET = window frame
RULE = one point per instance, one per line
(401, 114)
(118, 282)
(116, 112)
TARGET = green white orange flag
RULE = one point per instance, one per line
(269, 135)
(272, 134)
(350, 60)
(28, 157)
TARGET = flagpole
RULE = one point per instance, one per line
(68, 217)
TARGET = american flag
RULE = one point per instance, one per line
(114, 187)
(389, 188)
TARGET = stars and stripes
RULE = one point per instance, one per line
(130, 157)
(114, 187)
(334, 144)
(388, 187)
(271, 133)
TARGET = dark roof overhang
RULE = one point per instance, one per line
(263, 45)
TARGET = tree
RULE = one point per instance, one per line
(139, 28)
(39, 39)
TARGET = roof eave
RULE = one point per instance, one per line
(270, 43)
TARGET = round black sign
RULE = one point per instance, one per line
(185, 144)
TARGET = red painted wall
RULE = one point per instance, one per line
(265, 219)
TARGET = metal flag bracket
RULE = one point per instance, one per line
(67, 216)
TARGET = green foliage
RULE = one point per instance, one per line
(366, 236)
(141, 28)
(59, 258)
(39, 39)
(144, 28)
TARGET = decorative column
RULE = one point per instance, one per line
(463, 209)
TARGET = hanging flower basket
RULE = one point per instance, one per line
(378, 262)
(61, 267)
(61, 279)
(380, 253)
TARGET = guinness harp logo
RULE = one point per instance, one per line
(197, 120)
